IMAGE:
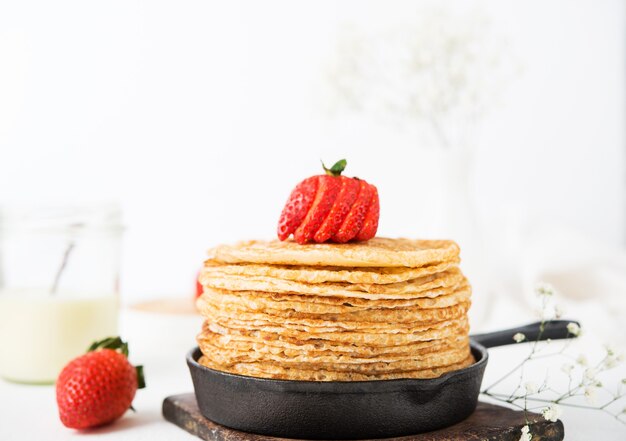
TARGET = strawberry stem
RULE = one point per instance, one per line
(141, 379)
(337, 168)
(115, 343)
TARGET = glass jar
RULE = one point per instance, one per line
(59, 273)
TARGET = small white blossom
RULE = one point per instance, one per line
(611, 362)
(591, 394)
(613, 357)
(573, 329)
(530, 387)
(610, 350)
(558, 311)
(582, 360)
(439, 72)
(519, 337)
(526, 435)
(552, 412)
(545, 289)
(567, 368)
(590, 374)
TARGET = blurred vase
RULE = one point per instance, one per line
(59, 271)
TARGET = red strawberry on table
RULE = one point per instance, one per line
(98, 387)
(330, 207)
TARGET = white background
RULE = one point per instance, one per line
(201, 116)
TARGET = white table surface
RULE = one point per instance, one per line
(160, 342)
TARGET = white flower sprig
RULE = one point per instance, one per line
(573, 329)
(519, 337)
(526, 435)
(552, 412)
(439, 72)
(583, 377)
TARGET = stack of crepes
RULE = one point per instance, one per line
(375, 310)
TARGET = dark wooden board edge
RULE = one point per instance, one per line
(489, 422)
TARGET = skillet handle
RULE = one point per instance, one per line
(553, 330)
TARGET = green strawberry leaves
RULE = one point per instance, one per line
(337, 168)
(141, 380)
(117, 344)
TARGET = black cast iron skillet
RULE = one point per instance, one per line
(351, 409)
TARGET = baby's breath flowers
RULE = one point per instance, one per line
(573, 329)
(519, 337)
(436, 75)
(591, 394)
(584, 386)
(552, 412)
(544, 289)
(531, 388)
(526, 435)
(613, 358)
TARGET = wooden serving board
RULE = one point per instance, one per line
(488, 422)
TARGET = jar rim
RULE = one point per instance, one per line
(106, 216)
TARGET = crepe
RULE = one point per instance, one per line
(257, 300)
(376, 252)
(422, 287)
(379, 365)
(320, 274)
(351, 320)
(267, 322)
(257, 370)
(294, 346)
(436, 331)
